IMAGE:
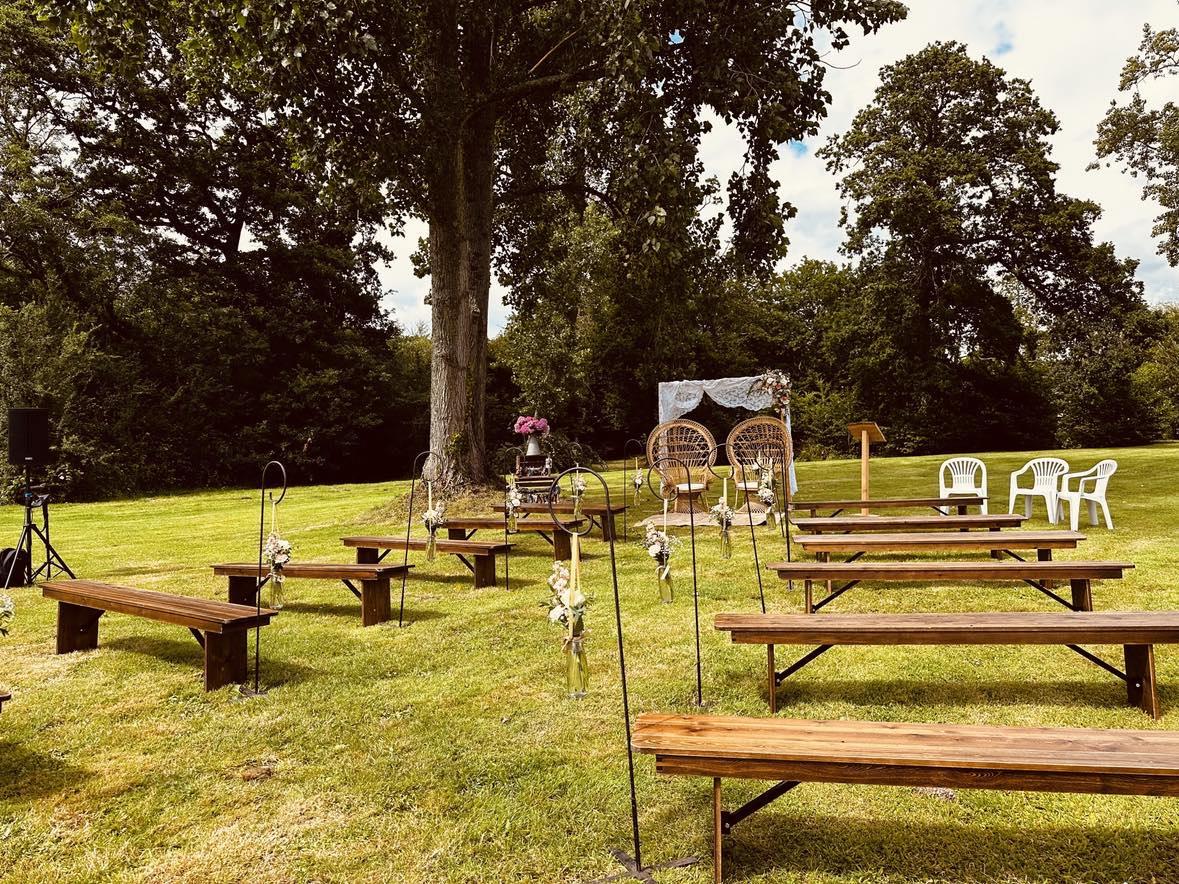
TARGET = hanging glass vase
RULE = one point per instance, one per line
(432, 545)
(278, 596)
(576, 667)
(513, 522)
(666, 589)
(726, 546)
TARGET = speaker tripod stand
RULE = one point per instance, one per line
(31, 530)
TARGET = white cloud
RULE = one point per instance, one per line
(1072, 51)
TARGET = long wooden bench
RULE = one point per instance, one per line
(220, 627)
(994, 542)
(959, 504)
(596, 511)
(375, 605)
(1038, 575)
(482, 553)
(1137, 632)
(886, 524)
(465, 527)
(792, 751)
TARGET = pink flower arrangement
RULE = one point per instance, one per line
(531, 426)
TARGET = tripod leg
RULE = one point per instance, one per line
(25, 540)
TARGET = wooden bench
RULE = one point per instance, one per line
(1138, 633)
(881, 524)
(220, 627)
(371, 550)
(792, 751)
(993, 542)
(4, 698)
(1036, 574)
(375, 605)
(597, 512)
(959, 504)
(465, 527)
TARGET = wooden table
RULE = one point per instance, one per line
(375, 605)
(960, 504)
(464, 528)
(597, 512)
(1137, 632)
(1036, 574)
(794, 751)
(897, 524)
(219, 627)
(481, 564)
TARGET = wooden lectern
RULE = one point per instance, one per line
(867, 432)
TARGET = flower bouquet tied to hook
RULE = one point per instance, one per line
(433, 518)
(722, 514)
(567, 605)
(513, 501)
(659, 545)
(276, 552)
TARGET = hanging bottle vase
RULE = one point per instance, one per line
(576, 667)
(726, 545)
(666, 589)
(513, 522)
(278, 596)
(432, 545)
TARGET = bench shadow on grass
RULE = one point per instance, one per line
(874, 692)
(26, 775)
(837, 845)
(189, 653)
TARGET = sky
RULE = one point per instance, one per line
(1072, 51)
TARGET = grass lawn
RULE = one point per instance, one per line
(446, 751)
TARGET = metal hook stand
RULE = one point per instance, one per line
(417, 467)
(667, 460)
(633, 864)
(261, 581)
(625, 484)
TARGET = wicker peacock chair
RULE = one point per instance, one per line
(692, 445)
(753, 445)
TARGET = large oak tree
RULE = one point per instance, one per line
(453, 108)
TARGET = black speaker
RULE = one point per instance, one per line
(28, 436)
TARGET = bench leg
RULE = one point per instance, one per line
(1082, 594)
(457, 533)
(484, 571)
(808, 595)
(366, 555)
(773, 678)
(225, 658)
(77, 628)
(375, 606)
(608, 531)
(1045, 555)
(962, 509)
(718, 835)
(243, 591)
(562, 549)
(1140, 687)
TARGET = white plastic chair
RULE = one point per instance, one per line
(1046, 473)
(1098, 479)
(962, 473)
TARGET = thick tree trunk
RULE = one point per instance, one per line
(460, 285)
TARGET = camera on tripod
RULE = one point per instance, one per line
(28, 446)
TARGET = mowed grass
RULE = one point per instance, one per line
(446, 750)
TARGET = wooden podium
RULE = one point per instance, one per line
(868, 433)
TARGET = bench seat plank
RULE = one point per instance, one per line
(598, 511)
(960, 503)
(950, 571)
(876, 524)
(442, 544)
(206, 615)
(725, 739)
(991, 628)
(313, 570)
(476, 523)
(941, 541)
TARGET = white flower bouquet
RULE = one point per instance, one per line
(277, 553)
(567, 605)
(513, 501)
(7, 614)
(659, 545)
(433, 518)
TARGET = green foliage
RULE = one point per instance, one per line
(1144, 136)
